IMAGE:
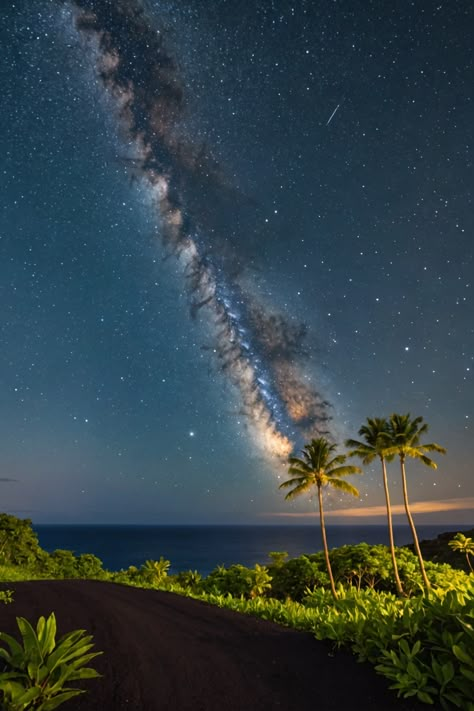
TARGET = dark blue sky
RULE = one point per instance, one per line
(117, 405)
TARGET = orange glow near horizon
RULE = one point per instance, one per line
(417, 507)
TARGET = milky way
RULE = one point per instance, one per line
(259, 350)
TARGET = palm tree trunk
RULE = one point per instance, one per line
(398, 582)
(412, 525)
(325, 543)
(469, 562)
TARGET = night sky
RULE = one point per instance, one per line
(225, 228)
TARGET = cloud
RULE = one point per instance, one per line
(417, 507)
(5, 478)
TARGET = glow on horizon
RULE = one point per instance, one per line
(417, 507)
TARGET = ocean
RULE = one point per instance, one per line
(202, 548)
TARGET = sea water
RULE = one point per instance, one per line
(202, 548)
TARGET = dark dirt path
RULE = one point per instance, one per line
(163, 652)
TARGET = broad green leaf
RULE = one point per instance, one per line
(30, 640)
(424, 697)
(48, 637)
(28, 695)
(448, 672)
(40, 627)
(15, 647)
(462, 655)
(86, 673)
(33, 670)
(52, 704)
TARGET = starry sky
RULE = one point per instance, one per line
(226, 228)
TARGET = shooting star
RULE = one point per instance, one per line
(332, 115)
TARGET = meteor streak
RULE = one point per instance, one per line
(332, 115)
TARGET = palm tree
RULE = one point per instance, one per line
(320, 468)
(376, 440)
(463, 544)
(405, 434)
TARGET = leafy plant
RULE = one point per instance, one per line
(6, 596)
(189, 579)
(260, 581)
(155, 571)
(36, 671)
(238, 581)
(293, 578)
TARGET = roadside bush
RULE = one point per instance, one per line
(154, 572)
(363, 566)
(238, 581)
(188, 579)
(293, 578)
(18, 542)
(64, 564)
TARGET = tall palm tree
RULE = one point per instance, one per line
(405, 434)
(318, 467)
(376, 440)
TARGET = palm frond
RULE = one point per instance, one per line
(290, 482)
(300, 471)
(297, 461)
(433, 447)
(301, 489)
(339, 459)
(426, 460)
(347, 470)
(342, 485)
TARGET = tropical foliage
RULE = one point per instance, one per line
(18, 542)
(38, 669)
(412, 619)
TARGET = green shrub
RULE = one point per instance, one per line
(154, 572)
(363, 566)
(238, 581)
(13, 573)
(188, 579)
(36, 672)
(64, 564)
(293, 578)
(18, 542)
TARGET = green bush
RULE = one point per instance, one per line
(12, 573)
(238, 581)
(36, 672)
(18, 542)
(64, 564)
(154, 572)
(188, 579)
(292, 578)
(363, 566)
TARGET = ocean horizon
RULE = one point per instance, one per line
(203, 547)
